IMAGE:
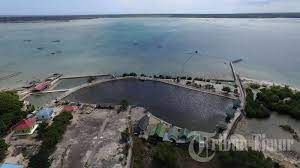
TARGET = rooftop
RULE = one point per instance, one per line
(25, 123)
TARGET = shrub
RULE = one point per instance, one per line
(161, 76)
(132, 74)
(209, 86)
(125, 74)
(198, 79)
(236, 91)
(124, 105)
(254, 85)
(91, 79)
(168, 77)
(226, 89)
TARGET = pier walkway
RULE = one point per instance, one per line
(238, 114)
(53, 91)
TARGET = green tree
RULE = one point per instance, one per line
(9, 102)
(41, 130)
(10, 110)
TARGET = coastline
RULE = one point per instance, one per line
(247, 80)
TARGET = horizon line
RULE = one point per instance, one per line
(112, 14)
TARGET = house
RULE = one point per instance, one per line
(25, 127)
(41, 86)
(69, 108)
(10, 165)
(173, 134)
(158, 131)
(183, 135)
(45, 114)
(142, 125)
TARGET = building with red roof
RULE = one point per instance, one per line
(70, 108)
(41, 86)
(25, 127)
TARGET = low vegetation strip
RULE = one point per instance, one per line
(50, 136)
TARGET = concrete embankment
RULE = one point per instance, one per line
(87, 85)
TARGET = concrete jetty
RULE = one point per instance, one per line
(238, 114)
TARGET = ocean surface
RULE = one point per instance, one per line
(269, 48)
(182, 107)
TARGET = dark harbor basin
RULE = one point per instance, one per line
(177, 105)
(67, 83)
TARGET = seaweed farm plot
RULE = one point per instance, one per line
(177, 105)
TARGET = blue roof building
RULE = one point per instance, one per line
(10, 165)
(45, 114)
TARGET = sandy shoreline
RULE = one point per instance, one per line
(245, 80)
(265, 82)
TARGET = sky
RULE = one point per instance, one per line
(63, 7)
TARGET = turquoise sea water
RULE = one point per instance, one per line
(269, 48)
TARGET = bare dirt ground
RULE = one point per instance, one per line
(93, 139)
(270, 127)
